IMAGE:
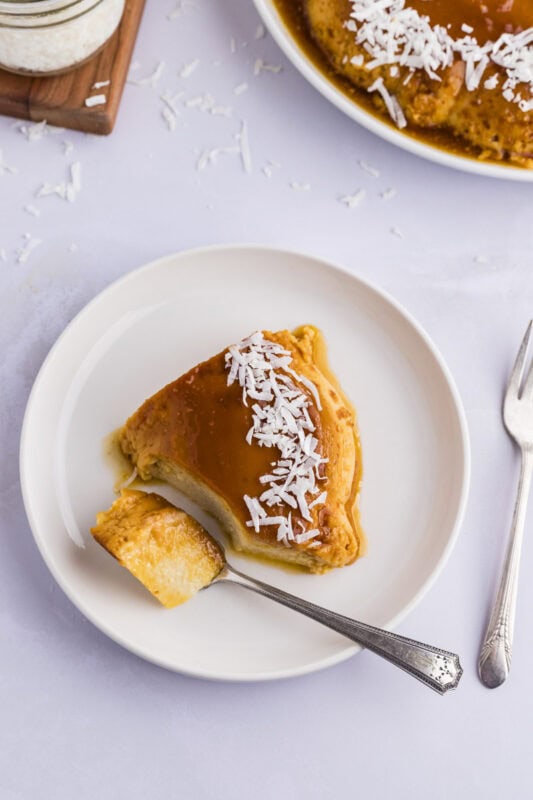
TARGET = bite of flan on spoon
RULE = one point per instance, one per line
(161, 545)
(263, 438)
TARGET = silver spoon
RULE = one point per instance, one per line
(438, 669)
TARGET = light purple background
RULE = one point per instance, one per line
(79, 716)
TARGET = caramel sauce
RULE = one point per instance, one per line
(488, 18)
(119, 464)
(201, 422)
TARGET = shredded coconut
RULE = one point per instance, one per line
(353, 200)
(68, 190)
(170, 101)
(34, 132)
(392, 33)
(187, 70)
(24, 252)
(206, 102)
(242, 87)
(244, 146)
(6, 168)
(369, 169)
(170, 118)
(100, 84)
(127, 481)
(391, 103)
(96, 100)
(262, 66)
(280, 419)
(212, 156)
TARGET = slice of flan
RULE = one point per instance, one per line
(262, 437)
(161, 545)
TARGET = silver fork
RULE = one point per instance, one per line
(495, 656)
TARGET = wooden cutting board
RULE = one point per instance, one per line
(61, 99)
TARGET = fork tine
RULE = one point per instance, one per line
(518, 369)
(527, 391)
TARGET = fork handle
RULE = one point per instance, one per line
(438, 669)
(495, 656)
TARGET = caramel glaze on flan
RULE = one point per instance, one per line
(480, 122)
(193, 434)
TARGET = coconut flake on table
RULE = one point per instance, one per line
(187, 70)
(170, 112)
(244, 147)
(208, 157)
(281, 420)
(369, 169)
(269, 167)
(68, 147)
(397, 232)
(32, 210)
(170, 100)
(67, 190)
(300, 187)
(260, 32)
(36, 131)
(388, 194)
(207, 103)
(240, 88)
(5, 168)
(24, 252)
(170, 118)
(394, 34)
(262, 66)
(353, 200)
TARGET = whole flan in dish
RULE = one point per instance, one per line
(458, 72)
(263, 438)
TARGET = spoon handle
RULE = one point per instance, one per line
(438, 669)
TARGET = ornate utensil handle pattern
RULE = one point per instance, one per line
(496, 650)
(438, 669)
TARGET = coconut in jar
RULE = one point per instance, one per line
(45, 37)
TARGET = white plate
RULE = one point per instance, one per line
(157, 322)
(271, 17)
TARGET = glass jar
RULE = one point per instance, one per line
(45, 37)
